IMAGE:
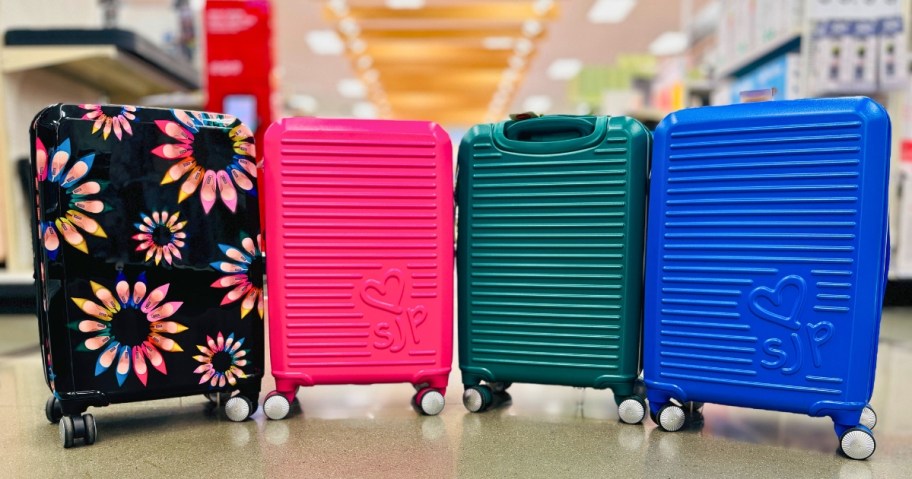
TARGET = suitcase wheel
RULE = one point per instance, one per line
(857, 443)
(219, 397)
(77, 427)
(632, 410)
(477, 398)
(500, 387)
(239, 408)
(52, 410)
(67, 432)
(693, 408)
(671, 417)
(276, 406)
(868, 417)
(90, 431)
(430, 401)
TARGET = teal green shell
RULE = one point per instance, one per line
(550, 251)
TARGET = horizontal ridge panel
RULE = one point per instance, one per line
(769, 200)
(604, 318)
(491, 353)
(549, 344)
(772, 209)
(763, 165)
(358, 139)
(766, 129)
(349, 153)
(547, 239)
(349, 163)
(486, 165)
(359, 209)
(522, 362)
(768, 141)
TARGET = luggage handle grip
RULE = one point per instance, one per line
(511, 134)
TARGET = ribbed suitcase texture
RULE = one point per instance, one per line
(148, 271)
(360, 239)
(767, 256)
(550, 252)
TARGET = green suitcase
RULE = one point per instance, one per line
(550, 256)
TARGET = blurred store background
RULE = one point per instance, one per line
(458, 62)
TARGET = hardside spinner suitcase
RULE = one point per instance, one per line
(360, 237)
(550, 256)
(137, 212)
(766, 260)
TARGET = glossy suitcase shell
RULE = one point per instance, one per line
(360, 239)
(121, 319)
(767, 256)
(550, 253)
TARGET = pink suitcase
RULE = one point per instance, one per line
(359, 238)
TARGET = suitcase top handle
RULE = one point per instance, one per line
(551, 134)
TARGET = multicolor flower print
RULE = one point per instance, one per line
(245, 274)
(77, 194)
(129, 329)
(200, 175)
(118, 123)
(160, 236)
(222, 360)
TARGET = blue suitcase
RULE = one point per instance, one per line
(766, 261)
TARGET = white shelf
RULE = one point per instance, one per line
(9, 278)
(104, 67)
(783, 44)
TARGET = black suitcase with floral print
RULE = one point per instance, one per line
(148, 260)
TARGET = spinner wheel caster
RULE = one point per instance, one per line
(77, 427)
(693, 407)
(868, 417)
(276, 406)
(239, 408)
(500, 387)
(632, 410)
(857, 443)
(670, 417)
(477, 398)
(430, 401)
(52, 410)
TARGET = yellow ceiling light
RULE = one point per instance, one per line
(518, 11)
(457, 63)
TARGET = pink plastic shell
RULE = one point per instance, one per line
(359, 244)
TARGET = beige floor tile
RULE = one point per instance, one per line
(371, 431)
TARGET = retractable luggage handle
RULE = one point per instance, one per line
(591, 129)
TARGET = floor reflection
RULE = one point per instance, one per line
(372, 431)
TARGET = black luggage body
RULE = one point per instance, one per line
(148, 262)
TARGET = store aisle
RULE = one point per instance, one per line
(348, 431)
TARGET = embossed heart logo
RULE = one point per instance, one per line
(385, 295)
(782, 303)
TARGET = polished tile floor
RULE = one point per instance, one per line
(358, 431)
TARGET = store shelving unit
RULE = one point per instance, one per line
(790, 42)
(722, 74)
(117, 66)
(119, 63)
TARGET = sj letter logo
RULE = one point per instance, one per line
(386, 296)
(781, 305)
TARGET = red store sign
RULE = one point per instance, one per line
(239, 61)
